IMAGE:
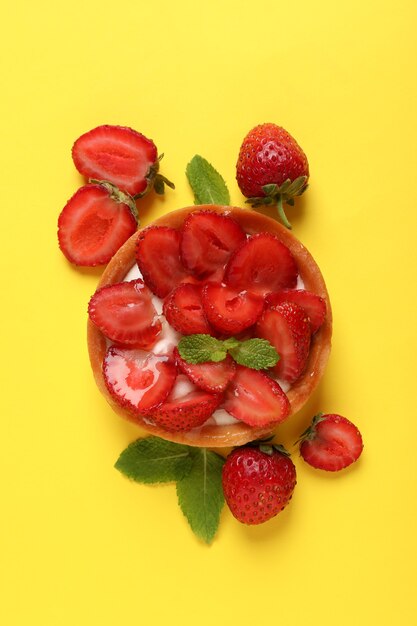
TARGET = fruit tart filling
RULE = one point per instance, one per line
(214, 283)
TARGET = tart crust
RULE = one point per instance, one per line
(212, 435)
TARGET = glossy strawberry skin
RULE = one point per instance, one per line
(117, 154)
(158, 258)
(139, 381)
(262, 264)
(210, 376)
(228, 310)
(268, 154)
(183, 308)
(186, 412)
(287, 328)
(208, 240)
(313, 305)
(255, 398)
(332, 443)
(257, 485)
(92, 226)
(124, 313)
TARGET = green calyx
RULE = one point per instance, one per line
(155, 180)
(116, 194)
(279, 195)
(310, 432)
(267, 447)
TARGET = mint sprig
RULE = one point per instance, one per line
(197, 472)
(258, 354)
(207, 184)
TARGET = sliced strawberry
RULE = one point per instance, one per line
(331, 443)
(208, 240)
(184, 310)
(93, 225)
(124, 313)
(262, 264)
(314, 306)
(138, 380)
(186, 411)
(287, 328)
(254, 398)
(118, 154)
(230, 311)
(158, 258)
(209, 376)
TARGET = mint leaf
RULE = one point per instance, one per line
(256, 353)
(201, 348)
(154, 460)
(230, 343)
(207, 184)
(200, 494)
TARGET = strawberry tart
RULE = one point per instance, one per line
(209, 271)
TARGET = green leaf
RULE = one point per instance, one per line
(201, 348)
(200, 494)
(206, 182)
(230, 343)
(154, 460)
(256, 353)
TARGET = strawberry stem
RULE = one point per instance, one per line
(281, 212)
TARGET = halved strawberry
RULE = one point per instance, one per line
(124, 313)
(209, 376)
(208, 240)
(187, 411)
(262, 264)
(254, 398)
(93, 225)
(287, 328)
(230, 311)
(184, 310)
(138, 380)
(118, 154)
(331, 443)
(314, 306)
(158, 258)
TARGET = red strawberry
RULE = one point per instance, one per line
(186, 411)
(271, 167)
(230, 311)
(93, 225)
(254, 398)
(158, 258)
(258, 482)
(313, 305)
(139, 381)
(184, 310)
(331, 443)
(261, 264)
(287, 328)
(209, 376)
(208, 240)
(124, 313)
(121, 156)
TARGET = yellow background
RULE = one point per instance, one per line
(82, 545)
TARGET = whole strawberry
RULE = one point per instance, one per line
(271, 168)
(258, 482)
